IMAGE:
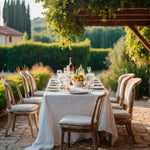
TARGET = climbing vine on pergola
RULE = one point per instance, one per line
(69, 17)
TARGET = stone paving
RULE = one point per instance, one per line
(22, 138)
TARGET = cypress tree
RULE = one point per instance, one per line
(28, 27)
(11, 14)
(7, 13)
(17, 16)
(23, 16)
(4, 11)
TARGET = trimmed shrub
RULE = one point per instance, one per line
(42, 75)
(30, 53)
(97, 58)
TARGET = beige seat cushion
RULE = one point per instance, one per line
(118, 114)
(33, 100)
(75, 120)
(113, 99)
(24, 107)
(116, 106)
(39, 93)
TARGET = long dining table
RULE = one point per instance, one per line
(57, 104)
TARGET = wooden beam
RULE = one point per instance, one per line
(121, 18)
(141, 38)
(125, 11)
(116, 23)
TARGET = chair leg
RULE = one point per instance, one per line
(128, 130)
(36, 121)
(131, 132)
(110, 138)
(30, 123)
(68, 139)
(94, 140)
(101, 135)
(62, 139)
(97, 138)
(8, 124)
(14, 121)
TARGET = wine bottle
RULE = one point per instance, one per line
(71, 67)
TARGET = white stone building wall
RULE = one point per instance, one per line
(10, 39)
(14, 39)
(2, 39)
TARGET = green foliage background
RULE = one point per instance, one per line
(103, 37)
(100, 37)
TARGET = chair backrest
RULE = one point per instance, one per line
(97, 109)
(9, 95)
(122, 88)
(32, 82)
(129, 96)
(25, 84)
(119, 82)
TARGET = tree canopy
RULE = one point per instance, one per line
(62, 15)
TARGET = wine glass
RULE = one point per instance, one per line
(89, 69)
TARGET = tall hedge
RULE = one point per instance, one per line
(30, 53)
(97, 58)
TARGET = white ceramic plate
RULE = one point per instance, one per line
(98, 88)
(97, 84)
(78, 91)
(52, 87)
(53, 90)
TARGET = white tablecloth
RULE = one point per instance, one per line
(55, 105)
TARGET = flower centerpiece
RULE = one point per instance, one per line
(77, 80)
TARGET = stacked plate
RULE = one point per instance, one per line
(53, 85)
(98, 85)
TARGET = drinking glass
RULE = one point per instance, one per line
(65, 70)
(88, 85)
(59, 72)
(89, 69)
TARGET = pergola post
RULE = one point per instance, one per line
(146, 44)
(141, 38)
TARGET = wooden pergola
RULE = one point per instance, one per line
(131, 17)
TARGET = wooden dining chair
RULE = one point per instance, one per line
(77, 123)
(34, 91)
(29, 99)
(20, 109)
(116, 99)
(124, 117)
(123, 84)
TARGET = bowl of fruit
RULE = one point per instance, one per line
(77, 80)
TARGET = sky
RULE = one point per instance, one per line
(35, 9)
